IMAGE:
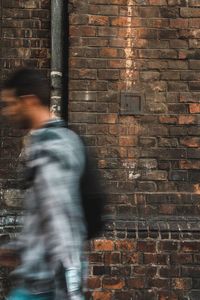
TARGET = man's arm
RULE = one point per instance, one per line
(57, 190)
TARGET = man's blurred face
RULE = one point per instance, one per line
(15, 109)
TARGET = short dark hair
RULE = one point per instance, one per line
(27, 81)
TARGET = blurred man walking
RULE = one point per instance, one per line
(54, 226)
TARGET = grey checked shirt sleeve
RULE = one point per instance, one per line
(57, 191)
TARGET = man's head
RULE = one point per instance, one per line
(24, 95)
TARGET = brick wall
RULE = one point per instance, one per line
(149, 160)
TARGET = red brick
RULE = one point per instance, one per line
(131, 257)
(186, 12)
(182, 259)
(190, 247)
(108, 74)
(94, 282)
(8, 258)
(105, 295)
(108, 52)
(99, 20)
(120, 21)
(110, 10)
(167, 246)
(113, 283)
(82, 31)
(146, 246)
(168, 120)
(112, 258)
(194, 23)
(181, 283)
(179, 23)
(186, 120)
(107, 32)
(108, 118)
(194, 3)
(191, 142)
(149, 12)
(103, 245)
(167, 209)
(189, 164)
(125, 245)
(127, 141)
(158, 2)
(136, 283)
(95, 257)
(158, 282)
(194, 108)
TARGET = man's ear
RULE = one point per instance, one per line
(32, 101)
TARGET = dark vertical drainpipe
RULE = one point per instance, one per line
(59, 57)
(65, 62)
(56, 55)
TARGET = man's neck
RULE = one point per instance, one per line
(40, 118)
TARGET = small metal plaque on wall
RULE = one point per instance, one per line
(131, 103)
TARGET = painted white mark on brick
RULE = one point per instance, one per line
(130, 64)
(132, 175)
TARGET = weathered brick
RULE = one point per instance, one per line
(128, 140)
(158, 2)
(181, 259)
(189, 247)
(94, 282)
(185, 120)
(95, 257)
(146, 246)
(179, 23)
(179, 175)
(194, 86)
(183, 44)
(169, 12)
(136, 283)
(112, 258)
(194, 64)
(101, 270)
(107, 32)
(194, 3)
(110, 10)
(177, 86)
(189, 164)
(194, 108)
(105, 295)
(193, 142)
(186, 12)
(103, 245)
(113, 283)
(131, 258)
(168, 120)
(98, 20)
(150, 12)
(108, 74)
(8, 258)
(124, 295)
(190, 271)
(125, 245)
(161, 283)
(167, 246)
(177, 108)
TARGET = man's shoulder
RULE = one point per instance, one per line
(57, 135)
(60, 144)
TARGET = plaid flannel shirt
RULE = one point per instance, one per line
(54, 229)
